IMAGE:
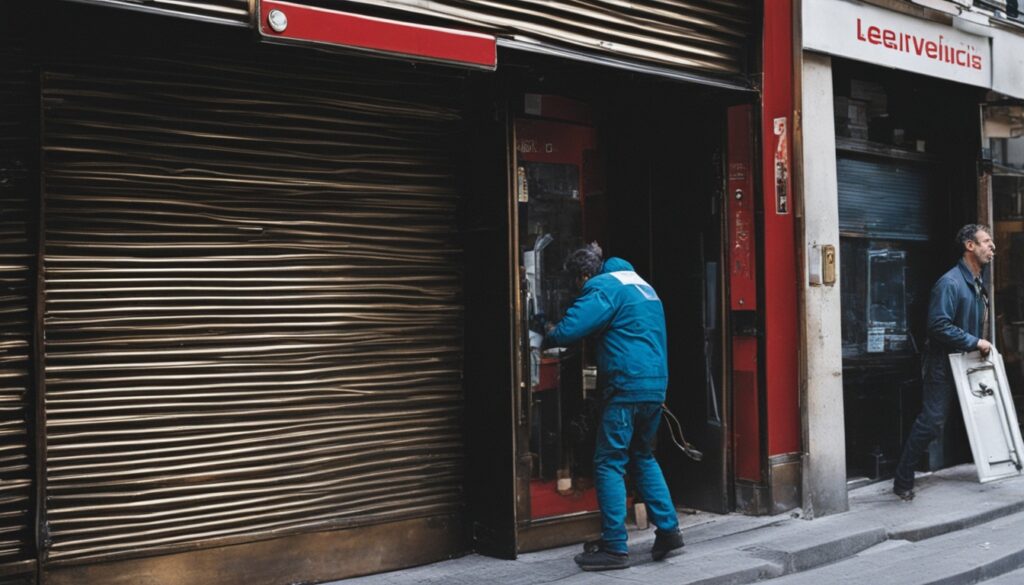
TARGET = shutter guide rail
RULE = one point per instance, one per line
(18, 295)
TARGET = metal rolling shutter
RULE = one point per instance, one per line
(18, 200)
(235, 12)
(253, 299)
(707, 36)
(883, 199)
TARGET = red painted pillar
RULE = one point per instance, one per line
(782, 419)
(741, 203)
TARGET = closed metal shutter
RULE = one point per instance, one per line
(236, 12)
(18, 201)
(707, 36)
(253, 304)
(883, 199)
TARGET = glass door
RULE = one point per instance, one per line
(559, 402)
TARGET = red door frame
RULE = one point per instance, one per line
(743, 301)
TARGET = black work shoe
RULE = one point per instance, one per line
(602, 560)
(904, 494)
(666, 542)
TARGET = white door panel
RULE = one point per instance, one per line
(989, 415)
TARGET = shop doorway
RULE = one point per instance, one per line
(639, 171)
(906, 170)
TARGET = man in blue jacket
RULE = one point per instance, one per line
(957, 312)
(627, 316)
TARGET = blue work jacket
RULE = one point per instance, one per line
(627, 315)
(955, 311)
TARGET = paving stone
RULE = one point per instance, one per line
(963, 557)
(956, 531)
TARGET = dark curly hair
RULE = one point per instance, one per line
(968, 233)
(585, 261)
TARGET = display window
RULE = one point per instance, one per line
(1005, 129)
(907, 179)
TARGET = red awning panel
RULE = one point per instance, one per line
(295, 22)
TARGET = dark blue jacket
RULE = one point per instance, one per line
(955, 311)
(626, 313)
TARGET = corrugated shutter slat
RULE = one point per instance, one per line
(225, 11)
(883, 199)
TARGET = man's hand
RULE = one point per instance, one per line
(984, 346)
(548, 328)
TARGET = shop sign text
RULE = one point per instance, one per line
(882, 37)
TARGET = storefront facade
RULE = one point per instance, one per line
(274, 301)
(892, 98)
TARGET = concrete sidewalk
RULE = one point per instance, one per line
(956, 531)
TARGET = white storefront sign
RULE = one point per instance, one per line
(846, 28)
(1008, 74)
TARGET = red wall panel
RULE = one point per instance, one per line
(332, 27)
(746, 433)
(740, 192)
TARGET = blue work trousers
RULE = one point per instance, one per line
(936, 396)
(627, 436)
